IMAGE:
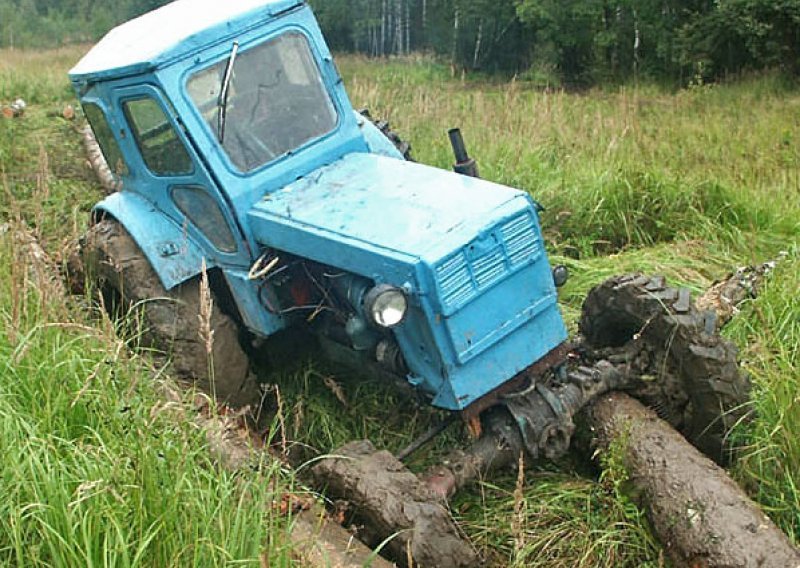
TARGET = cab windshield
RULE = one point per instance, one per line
(276, 101)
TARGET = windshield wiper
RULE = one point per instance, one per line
(222, 101)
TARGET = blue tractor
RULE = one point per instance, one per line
(235, 146)
(252, 201)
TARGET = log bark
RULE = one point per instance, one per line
(98, 162)
(724, 296)
(394, 504)
(702, 517)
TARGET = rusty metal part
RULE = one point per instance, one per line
(536, 420)
(552, 359)
(464, 164)
(544, 414)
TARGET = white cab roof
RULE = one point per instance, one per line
(154, 37)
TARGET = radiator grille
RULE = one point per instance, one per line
(455, 280)
(489, 268)
(461, 279)
(520, 238)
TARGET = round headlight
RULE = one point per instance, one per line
(386, 305)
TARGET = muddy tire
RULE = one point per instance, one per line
(689, 374)
(169, 319)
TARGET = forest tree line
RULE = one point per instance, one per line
(573, 42)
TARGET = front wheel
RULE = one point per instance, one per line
(170, 319)
(689, 373)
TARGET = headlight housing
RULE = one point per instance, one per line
(386, 305)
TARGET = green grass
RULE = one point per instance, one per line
(563, 520)
(768, 331)
(688, 184)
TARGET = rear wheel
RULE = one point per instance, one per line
(402, 145)
(689, 374)
(170, 320)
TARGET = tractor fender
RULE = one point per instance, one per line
(174, 256)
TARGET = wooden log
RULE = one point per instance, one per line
(394, 504)
(724, 296)
(702, 517)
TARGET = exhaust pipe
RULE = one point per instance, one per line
(464, 164)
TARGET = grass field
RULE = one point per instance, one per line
(688, 184)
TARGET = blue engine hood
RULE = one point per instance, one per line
(383, 206)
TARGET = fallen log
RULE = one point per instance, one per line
(724, 296)
(41, 271)
(394, 504)
(702, 517)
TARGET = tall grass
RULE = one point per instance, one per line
(768, 331)
(97, 469)
(562, 520)
(622, 168)
(37, 77)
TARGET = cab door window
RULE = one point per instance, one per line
(201, 209)
(162, 150)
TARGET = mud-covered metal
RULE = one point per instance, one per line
(543, 414)
(687, 372)
(536, 420)
(174, 256)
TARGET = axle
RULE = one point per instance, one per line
(536, 420)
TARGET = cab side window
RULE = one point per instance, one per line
(201, 209)
(161, 148)
(105, 139)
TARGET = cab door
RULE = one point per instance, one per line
(170, 174)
